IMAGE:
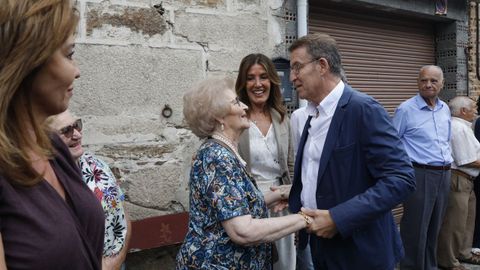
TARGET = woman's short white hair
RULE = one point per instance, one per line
(205, 103)
(457, 103)
(53, 122)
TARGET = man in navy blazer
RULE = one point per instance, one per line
(351, 168)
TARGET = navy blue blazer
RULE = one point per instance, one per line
(364, 172)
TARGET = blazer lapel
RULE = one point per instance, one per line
(333, 131)
(294, 203)
(280, 137)
(244, 148)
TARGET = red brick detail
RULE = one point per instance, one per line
(159, 231)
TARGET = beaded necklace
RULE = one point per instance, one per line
(229, 143)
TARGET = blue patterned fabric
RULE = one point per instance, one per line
(220, 189)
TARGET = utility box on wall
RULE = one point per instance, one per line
(286, 87)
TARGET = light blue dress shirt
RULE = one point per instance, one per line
(425, 132)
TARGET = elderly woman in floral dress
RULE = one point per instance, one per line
(229, 226)
(100, 179)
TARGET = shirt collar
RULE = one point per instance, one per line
(311, 109)
(423, 105)
(329, 103)
(469, 124)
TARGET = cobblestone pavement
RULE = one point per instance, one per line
(468, 266)
(472, 266)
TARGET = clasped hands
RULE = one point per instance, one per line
(322, 224)
(281, 202)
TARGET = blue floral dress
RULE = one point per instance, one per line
(220, 189)
(100, 179)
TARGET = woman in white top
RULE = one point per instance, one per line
(267, 145)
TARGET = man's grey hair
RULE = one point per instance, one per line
(432, 66)
(321, 45)
(457, 103)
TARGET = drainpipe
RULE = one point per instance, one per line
(302, 14)
(302, 30)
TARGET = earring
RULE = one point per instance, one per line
(222, 127)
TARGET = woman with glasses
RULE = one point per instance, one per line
(49, 219)
(229, 226)
(267, 145)
(101, 181)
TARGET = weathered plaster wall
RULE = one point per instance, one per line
(138, 56)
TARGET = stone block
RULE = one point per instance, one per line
(135, 152)
(215, 4)
(154, 177)
(137, 212)
(276, 30)
(228, 60)
(235, 32)
(156, 188)
(118, 129)
(121, 22)
(256, 6)
(134, 81)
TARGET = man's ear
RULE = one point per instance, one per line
(324, 65)
(442, 82)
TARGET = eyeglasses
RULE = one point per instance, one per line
(236, 101)
(298, 66)
(68, 130)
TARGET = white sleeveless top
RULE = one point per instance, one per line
(264, 164)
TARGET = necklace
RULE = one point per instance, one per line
(264, 139)
(259, 117)
(229, 143)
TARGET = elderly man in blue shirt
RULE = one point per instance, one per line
(423, 123)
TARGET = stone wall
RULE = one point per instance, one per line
(138, 57)
(474, 82)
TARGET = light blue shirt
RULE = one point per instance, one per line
(425, 132)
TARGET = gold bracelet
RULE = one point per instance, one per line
(308, 220)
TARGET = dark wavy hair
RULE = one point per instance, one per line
(275, 99)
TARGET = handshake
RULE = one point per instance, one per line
(318, 222)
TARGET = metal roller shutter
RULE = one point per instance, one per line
(381, 56)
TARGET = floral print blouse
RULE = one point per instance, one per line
(100, 179)
(220, 189)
